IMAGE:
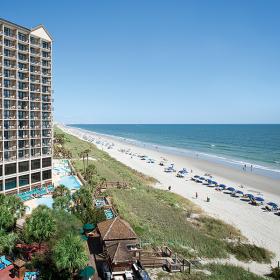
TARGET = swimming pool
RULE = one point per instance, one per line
(44, 200)
(109, 214)
(71, 182)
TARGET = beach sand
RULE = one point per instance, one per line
(258, 226)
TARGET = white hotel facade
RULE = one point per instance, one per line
(25, 107)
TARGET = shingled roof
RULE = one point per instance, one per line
(119, 252)
(116, 229)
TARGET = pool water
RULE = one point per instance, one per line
(44, 200)
(109, 214)
(71, 182)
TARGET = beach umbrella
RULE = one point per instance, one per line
(214, 182)
(249, 195)
(89, 227)
(222, 186)
(230, 189)
(259, 199)
(272, 204)
(87, 272)
(239, 192)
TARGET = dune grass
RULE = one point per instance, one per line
(164, 218)
(214, 272)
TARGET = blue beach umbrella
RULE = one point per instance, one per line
(272, 204)
(230, 189)
(222, 186)
(239, 192)
(259, 199)
(249, 195)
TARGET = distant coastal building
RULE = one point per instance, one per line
(25, 107)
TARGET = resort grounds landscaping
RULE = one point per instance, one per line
(162, 218)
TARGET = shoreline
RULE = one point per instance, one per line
(258, 226)
(258, 168)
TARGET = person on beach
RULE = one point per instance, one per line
(169, 188)
(251, 167)
(196, 195)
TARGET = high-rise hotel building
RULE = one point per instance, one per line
(25, 107)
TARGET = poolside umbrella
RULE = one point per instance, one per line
(231, 189)
(89, 227)
(87, 272)
(84, 237)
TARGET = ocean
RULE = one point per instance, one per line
(234, 145)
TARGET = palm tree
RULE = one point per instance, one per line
(90, 172)
(8, 242)
(62, 203)
(7, 218)
(61, 190)
(69, 254)
(15, 205)
(86, 152)
(82, 155)
(40, 226)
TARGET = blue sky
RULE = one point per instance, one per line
(149, 61)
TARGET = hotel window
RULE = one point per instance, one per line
(23, 180)
(21, 66)
(10, 169)
(1, 170)
(21, 36)
(46, 162)
(35, 177)
(47, 175)
(10, 183)
(1, 185)
(7, 52)
(35, 164)
(32, 68)
(21, 76)
(22, 56)
(45, 45)
(7, 62)
(22, 47)
(7, 73)
(23, 166)
(7, 43)
(7, 31)
(7, 93)
(7, 83)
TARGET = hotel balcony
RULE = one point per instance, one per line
(10, 33)
(46, 107)
(23, 115)
(35, 42)
(10, 115)
(10, 125)
(23, 134)
(23, 67)
(10, 145)
(36, 152)
(35, 96)
(23, 76)
(10, 105)
(35, 134)
(46, 72)
(35, 106)
(46, 98)
(46, 124)
(23, 96)
(23, 105)
(35, 78)
(35, 69)
(35, 115)
(23, 124)
(10, 45)
(24, 153)
(46, 151)
(35, 125)
(46, 116)
(10, 54)
(35, 88)
(10, 155)
(23, 38)
(23, 144)
(35, 61)
(46, 133)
